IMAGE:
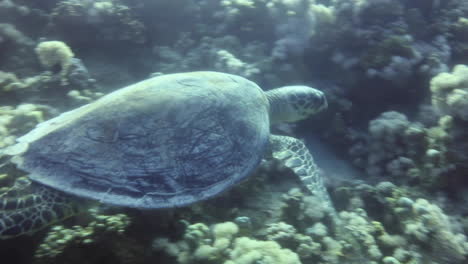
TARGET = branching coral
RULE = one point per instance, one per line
(310, 208)
(220, 245)
(364, 231)
(55, 53)
(62, 70)
(226, 61)
(10, 83)
(450, 92)
(9, 33)
(109, 20)
(426, 223)
(7, 79)
(394, 145)
(314, 246)
(400, 43)
(413, 231)
(250, 251)
(407, 151)
(224, 54)
(15, 122)
(60, 237)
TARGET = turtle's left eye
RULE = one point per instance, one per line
(315, 97)
(322, 100)
(317, 100)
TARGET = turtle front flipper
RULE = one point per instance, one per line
(28, 207)
(294, 154)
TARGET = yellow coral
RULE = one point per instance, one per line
(225, 230)
(223, 234)
(323, 13)
(250, 251)
(450, 91)
(457, 97)
(53, 53)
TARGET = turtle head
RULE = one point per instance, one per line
(294, 103)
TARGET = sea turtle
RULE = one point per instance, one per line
(167, 141)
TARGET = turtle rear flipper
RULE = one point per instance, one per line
(28, 207)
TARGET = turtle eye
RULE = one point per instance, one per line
(317, 101)
(315, 98)
(322, 100)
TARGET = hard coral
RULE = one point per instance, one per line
(60, 238)
(449, 92)
(251, 251)
(430, 226)
(55, 53)
(220, 245)
(108, 20)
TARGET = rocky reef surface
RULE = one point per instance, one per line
(395, 73)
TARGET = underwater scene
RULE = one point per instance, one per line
(234, 131)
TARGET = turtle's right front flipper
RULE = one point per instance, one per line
(27, 208)
(295, 155)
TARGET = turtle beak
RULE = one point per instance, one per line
(323, 102)
(320, 101)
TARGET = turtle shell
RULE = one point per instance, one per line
(166, 141)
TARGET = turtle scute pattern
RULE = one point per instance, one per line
(167, 141)
(28, 207)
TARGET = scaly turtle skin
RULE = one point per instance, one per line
(167, 141)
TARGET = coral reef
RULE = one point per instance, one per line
(214, 53)
(59, 237)
(17, 121)
(10, 34)
(55, 53)
(407, 152)
(450, 92)
(396, 78)
(67, 77)
(420, 153)
(415, 231)
(105, 20)
(219, 245)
